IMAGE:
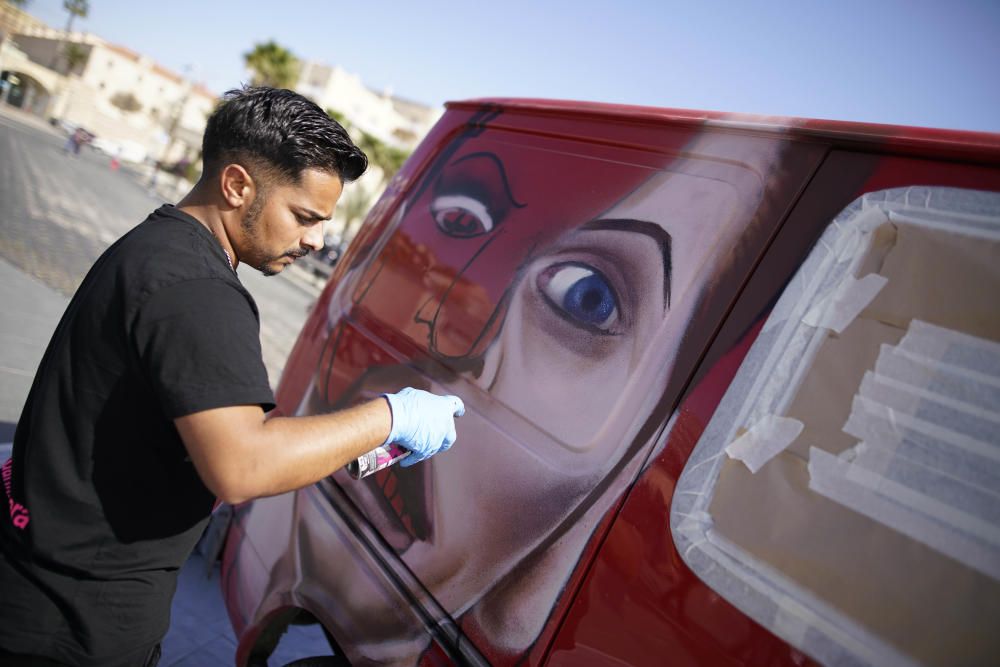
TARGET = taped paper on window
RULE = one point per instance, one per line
(767, 438)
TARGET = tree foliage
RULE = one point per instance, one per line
(74, 55)
(272, 65)
(387, 158)
(339, 117)
(76, 9)
(355, 205)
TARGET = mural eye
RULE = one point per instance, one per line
(461, 216)
(582, 295)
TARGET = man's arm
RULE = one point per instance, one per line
(241, 455)
(196, 343)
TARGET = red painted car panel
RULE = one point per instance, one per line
(669, 611)
(589, 279)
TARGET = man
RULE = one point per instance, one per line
(150, 400)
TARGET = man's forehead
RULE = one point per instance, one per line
(316, 192)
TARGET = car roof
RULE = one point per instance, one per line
(981, 146)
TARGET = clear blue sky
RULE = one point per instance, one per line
(919, 62)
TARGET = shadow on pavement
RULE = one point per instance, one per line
(7, 432)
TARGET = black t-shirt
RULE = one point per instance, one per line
(105, 505)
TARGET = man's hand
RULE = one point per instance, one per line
(422, 422)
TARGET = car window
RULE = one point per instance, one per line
(844, 494)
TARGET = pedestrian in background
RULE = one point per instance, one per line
(151, 400)
(77, 138)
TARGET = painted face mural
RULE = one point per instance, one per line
(551, 291)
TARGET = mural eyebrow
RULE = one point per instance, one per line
(484, 155)
(652, 230)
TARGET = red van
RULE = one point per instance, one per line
(732, 388)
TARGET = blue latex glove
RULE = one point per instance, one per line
(422, 422)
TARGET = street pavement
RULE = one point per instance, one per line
(31, 311)
(57, 214)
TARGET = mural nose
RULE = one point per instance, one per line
(486, 374)
(425, 316)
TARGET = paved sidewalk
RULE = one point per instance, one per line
(31, 311)
(200, 634)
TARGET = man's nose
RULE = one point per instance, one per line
(313, 238)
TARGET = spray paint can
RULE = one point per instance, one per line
(375, 460)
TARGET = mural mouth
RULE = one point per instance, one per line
(403, 496)
(352, 370)
(395, 499)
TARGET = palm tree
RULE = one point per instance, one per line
(339, 117)
(75, 56)
(76, 9)
(273, 65)
(355, 205)
(387, 158)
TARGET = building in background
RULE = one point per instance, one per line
(138, 108)
(14, 20)
(392, 120)
(143, 112)
(13, 61)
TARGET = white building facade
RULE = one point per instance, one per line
(122, 97)
(393, 121)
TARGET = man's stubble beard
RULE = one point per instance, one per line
(251, 230)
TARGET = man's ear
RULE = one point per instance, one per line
(238, 187)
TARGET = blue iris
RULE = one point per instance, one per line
(590, 300)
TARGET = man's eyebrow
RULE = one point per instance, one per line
(310, 214)
(650, 229)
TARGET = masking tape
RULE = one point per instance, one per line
(990, 382)
(981, 425)
(839, 308)
(971, 353)
(907, 386)
(954, 489)
(775, 361)
(973, 225)
(795, 610)
(882, 448)
(953, 533)
(853, 233)
(874, 385)
(790, 621)
(920, 502)
(867, 414)
(937, 378)
(765, 440)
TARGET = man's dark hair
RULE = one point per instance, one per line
(274, 132)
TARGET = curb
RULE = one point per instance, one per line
(29, 119)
